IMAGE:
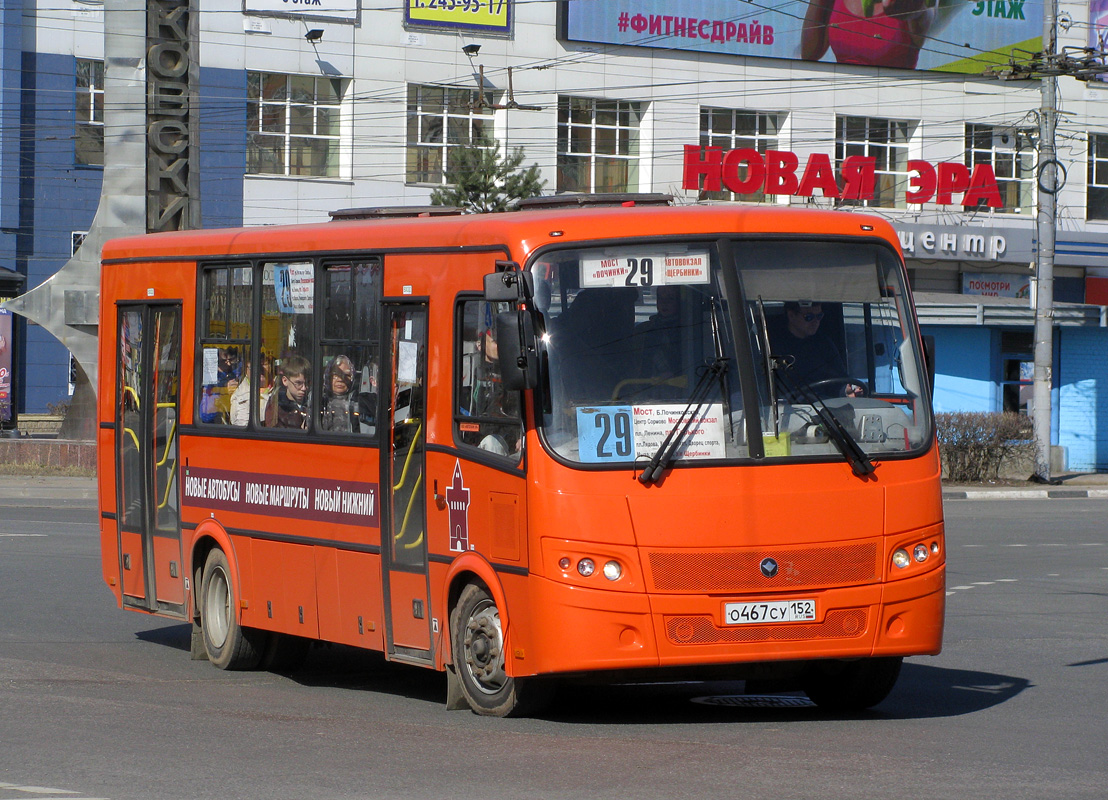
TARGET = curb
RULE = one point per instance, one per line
(1025, 494)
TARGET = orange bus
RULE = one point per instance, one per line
(618, 439)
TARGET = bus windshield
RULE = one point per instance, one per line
(710, 352)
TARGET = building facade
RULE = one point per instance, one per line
(308, 107)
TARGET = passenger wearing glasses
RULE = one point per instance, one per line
(288, 406)
(336, 410)
(814, 357)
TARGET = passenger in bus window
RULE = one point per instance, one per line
(267, 382)
(240, 400)
(336, 407)
(215, 402)
(364, 411)
(288, 405)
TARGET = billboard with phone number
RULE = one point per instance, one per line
(484, 16)
(962, 36)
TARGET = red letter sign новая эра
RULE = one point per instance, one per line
(746, 171)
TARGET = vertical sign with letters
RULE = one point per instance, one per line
(171, 202)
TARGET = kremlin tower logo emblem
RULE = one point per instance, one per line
(457, 501)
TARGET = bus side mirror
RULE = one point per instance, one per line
(929, 360)
(516, 354)
(509, 286)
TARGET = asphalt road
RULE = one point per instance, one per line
(100, 703)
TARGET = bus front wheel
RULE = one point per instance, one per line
(851, 685)
(228, 644)
(477, 640)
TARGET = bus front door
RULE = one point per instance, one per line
(148, 513)
(404, 531)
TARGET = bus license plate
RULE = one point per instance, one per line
(760, 613)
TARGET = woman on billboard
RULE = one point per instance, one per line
(876, 33)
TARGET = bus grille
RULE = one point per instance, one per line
(839, 624)
(738, 570)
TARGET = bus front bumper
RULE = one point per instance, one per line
(574, 629)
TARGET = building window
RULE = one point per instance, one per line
(294, 124)
(90, 112)
(731, 130)
(886, 141)
(1096, 204)
(1011, 154)
(440, 120)
(598, 145)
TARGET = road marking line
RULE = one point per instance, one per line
(23, 535)
(983, 583)
(958, 588)
(1007, 580)
(36, 789)
(1014, 545)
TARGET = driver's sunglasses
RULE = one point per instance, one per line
(808, 317)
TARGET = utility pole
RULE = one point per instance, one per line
(1045, 224)
(1047, 65)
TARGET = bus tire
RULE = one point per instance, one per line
(851, 685)
(477, 641)
(228, 644)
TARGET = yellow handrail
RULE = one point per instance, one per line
(408, 459)
(407, 515)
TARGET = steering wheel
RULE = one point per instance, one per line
(840, 380)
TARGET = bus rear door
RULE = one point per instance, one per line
(147, 405)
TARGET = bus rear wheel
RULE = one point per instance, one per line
(477, 641)
(851, 685)
(228, 644)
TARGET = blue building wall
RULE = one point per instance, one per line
(57, 198)
(965, 378)
(47, 196)
(11, 81)
(1081, 375)
(222, 146)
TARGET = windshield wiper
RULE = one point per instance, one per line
(668, 449)
(763, 335)
(859, 462)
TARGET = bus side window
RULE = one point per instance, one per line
(349, 350)
(288, 292)
(486, 415)
(224, 341)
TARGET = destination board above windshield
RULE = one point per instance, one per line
(645, 268)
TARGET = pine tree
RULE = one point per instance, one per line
(481, 180)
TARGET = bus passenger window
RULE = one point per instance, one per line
(228, 294)
(486, 415)
(347, 383)
(288, 305)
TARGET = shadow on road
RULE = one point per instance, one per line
(334, 665)
(923, 691)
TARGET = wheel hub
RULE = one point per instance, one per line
(484, 651)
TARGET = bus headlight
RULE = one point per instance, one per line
(901, 559)
(586, 567)
(612, 570)
(921, 553)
